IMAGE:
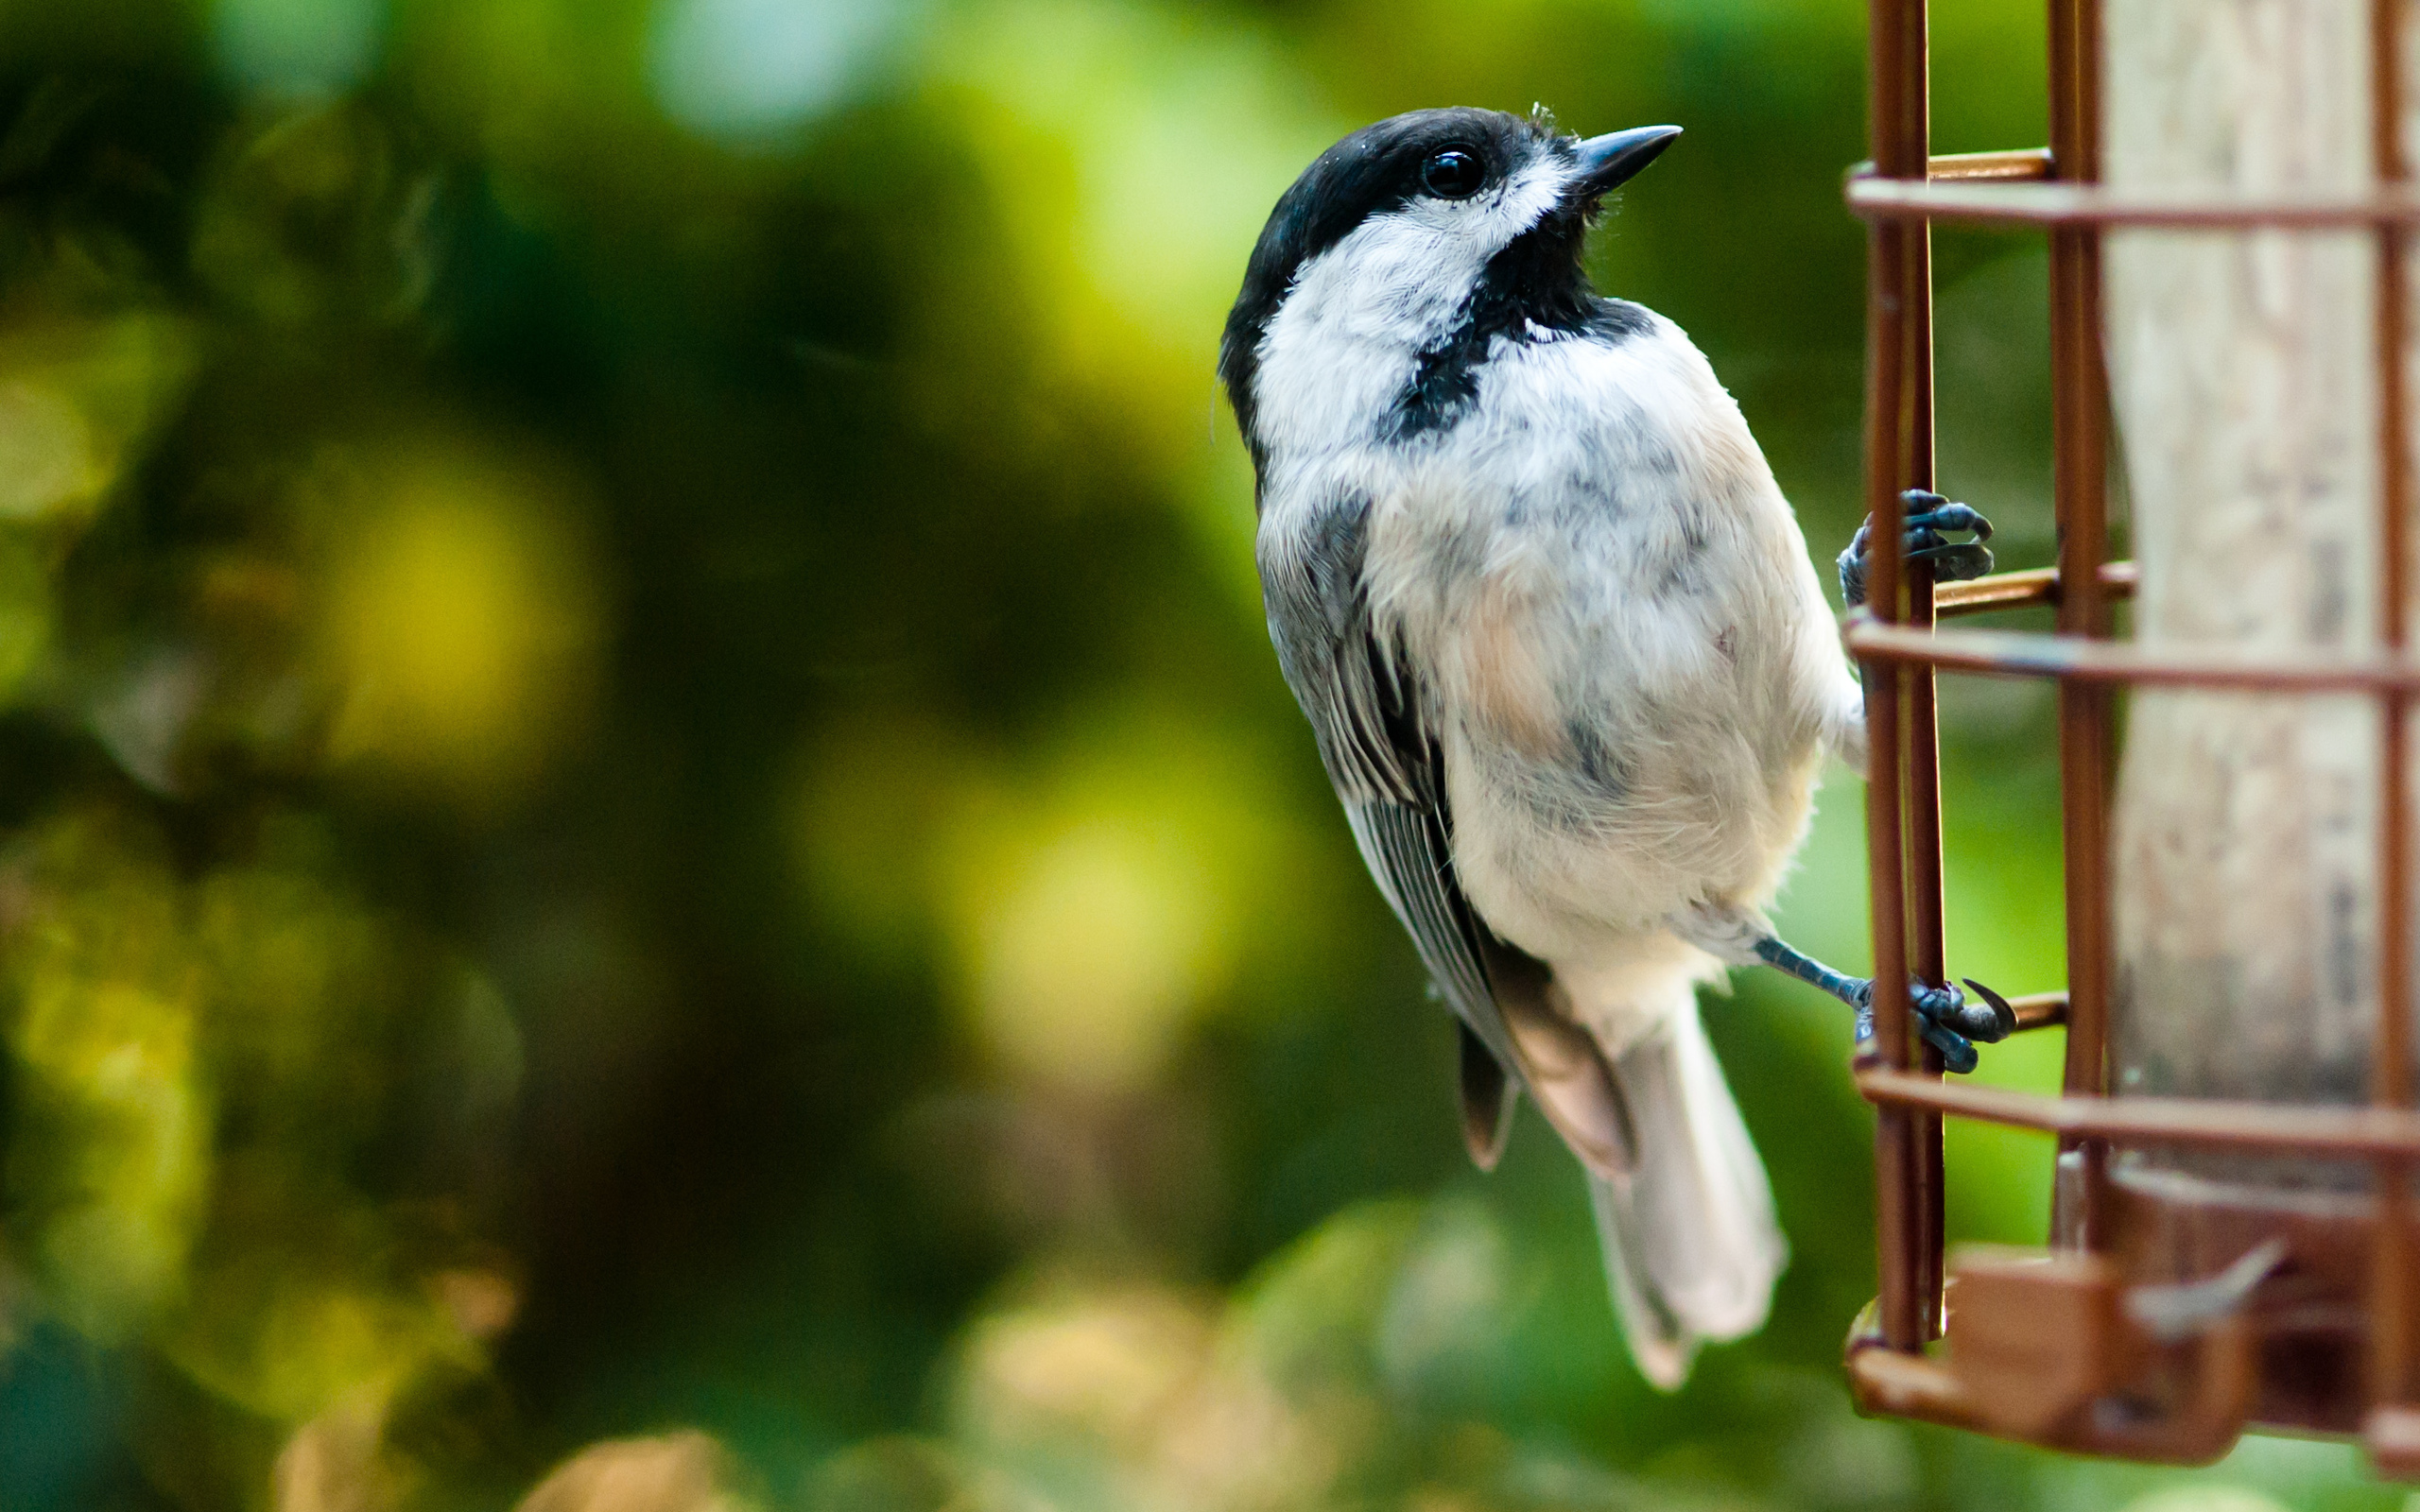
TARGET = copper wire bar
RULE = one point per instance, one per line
(2040, 1010)
(1899, 194)
(1895, 29)
(2269, 1128)
(1920, 761)
(2064, 203)
(2006, 653)
(2035, 587)
(1927, 947)
(2080, 450)
(2390, 1072)
(1972, 168)
(2019, 166)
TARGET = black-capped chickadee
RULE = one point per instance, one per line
(1569, 666)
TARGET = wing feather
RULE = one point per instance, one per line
(1382, 754)
(1378, 739)
(1406, 852)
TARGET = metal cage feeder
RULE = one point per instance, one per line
(2053, 1347)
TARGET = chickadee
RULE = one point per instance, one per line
(1568, 664)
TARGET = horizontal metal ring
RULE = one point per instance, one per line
(2034, 588)
(2075, 659)
(2092, 204)
(2208, 1123)
(2020, 165)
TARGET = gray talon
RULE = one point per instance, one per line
(1948, 1022)
(1929, 514)
(1957, 1055)
(2003, 1016)
(1989, 1020)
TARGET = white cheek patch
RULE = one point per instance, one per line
(1404, 275)
(1343, 342)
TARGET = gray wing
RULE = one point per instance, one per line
(1381, 750)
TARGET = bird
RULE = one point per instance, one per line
(1566, 660)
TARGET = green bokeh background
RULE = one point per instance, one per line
(644, 815)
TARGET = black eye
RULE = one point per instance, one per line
(1453, 174)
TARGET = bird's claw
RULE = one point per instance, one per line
(1927, 515)
(2001, 1014)
(1989, 1020)
(1950, 1021)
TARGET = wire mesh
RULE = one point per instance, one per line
(1899, 194)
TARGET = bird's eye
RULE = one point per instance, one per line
(1452, 174)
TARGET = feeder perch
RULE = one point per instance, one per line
(2225, 1253)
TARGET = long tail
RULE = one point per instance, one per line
(1691, 1243)
(1682, 1208)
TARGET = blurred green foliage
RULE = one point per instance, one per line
(644, 820)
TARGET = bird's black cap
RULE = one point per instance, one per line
(1380, 168)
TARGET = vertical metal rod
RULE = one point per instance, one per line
(2080, 443)
(2390, 1072)
(1903, 1222)
(1928, 948)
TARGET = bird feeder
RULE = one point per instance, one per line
(2233, 1237)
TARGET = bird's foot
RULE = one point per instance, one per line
(1948, 1021)
(1928, 516)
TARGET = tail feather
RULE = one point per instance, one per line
(1691, 1243)
(1489, 1099)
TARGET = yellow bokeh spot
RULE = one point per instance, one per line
(1094, 898)
(317, 1345)
(1088, 957)
(1136, 154)
(47, 456)
(77, 399)
(460, 623)
(1094, 906)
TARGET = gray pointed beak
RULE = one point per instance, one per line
(1608, 162)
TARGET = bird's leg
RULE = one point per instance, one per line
(1928, 515)
(1742, 935)
(1949, 1022)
